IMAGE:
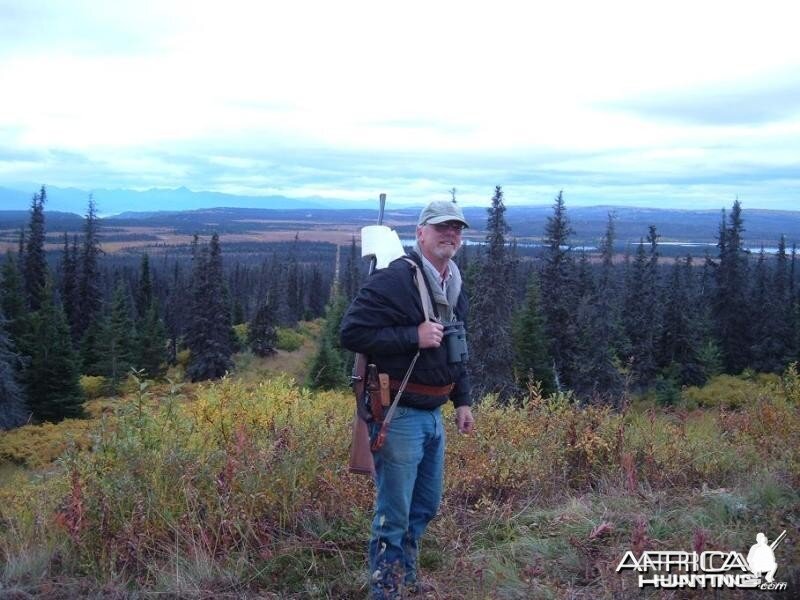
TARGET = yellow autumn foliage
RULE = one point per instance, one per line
(38, 445)
(241, 466)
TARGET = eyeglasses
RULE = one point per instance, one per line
(452, 225)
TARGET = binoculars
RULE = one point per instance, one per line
(455, 340)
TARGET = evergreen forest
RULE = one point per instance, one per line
(598, 325)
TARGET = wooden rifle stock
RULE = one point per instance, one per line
(360, 453)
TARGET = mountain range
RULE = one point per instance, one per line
(185, 211)
(111, 202)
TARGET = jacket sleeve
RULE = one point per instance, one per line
(460, 395)
(376, 322)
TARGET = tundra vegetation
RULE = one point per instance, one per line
(177, 424)
(240, 487)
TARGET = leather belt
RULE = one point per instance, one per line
(424, 390)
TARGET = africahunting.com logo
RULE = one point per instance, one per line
(710, 569)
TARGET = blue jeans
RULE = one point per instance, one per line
(408, 477)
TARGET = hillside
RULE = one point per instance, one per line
(239, 488)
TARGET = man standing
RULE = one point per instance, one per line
(386, 322)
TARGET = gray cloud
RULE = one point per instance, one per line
(773, 100)
(411, 178)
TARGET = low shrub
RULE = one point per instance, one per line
(39, 445)
(790, 382)
(727, 391)
(289, 340)
(93, 386)
(183, 357)
(310, 329)
(241, 334)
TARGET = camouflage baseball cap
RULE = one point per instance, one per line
(441, 211)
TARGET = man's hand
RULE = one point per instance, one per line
(430, 334)
(464, 419)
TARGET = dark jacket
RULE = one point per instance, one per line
(382, 323)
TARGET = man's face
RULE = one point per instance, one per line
(441, 240)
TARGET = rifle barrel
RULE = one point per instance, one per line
(381, 206)
(382, 201)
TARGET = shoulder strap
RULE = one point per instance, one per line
(425, 297)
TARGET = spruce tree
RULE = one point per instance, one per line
(592, 370)
(731, 307)
(278, 295)
(293, 291)
(608, 300)
(12, 299)
(117, 342)
(209, 332)
(151, 338)
(559, 295)
(317, 294)
(793, 271)
(464, 265)
(532, 360)
(772, 323)
(333, 323)
(235, 344)
(491, 352)
(584, 279)
(90, 296)
(327, 371)
(705, 293)
(13, 409)
(332, 363)
(69, 282)
(51, 378)
(762, 335)
(294, 285)
(681, 350)
(782, 300)
(35, 270)
(175, 317)
(352, 272)
(236, 287)
(238, 311)
(198, 325)
(144, 292)
(151, 344)
(21, 250)
(89, 349)
(261, 334)
(643, 310)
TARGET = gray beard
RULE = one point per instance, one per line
(444, 303)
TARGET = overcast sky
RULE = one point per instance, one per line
(680, 104)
